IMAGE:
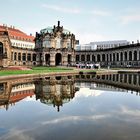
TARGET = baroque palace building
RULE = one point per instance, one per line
(51, 47)
(55, 46)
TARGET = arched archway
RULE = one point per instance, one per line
(58, 59)
(121, 56)
(77, 58)
(114, 57)
(69, 59)
(93, 58)
(98, 58)
(47, 59)
(1, 48)
(125, 55)
(103, 57)
(82, 57)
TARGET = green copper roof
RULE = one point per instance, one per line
(50, 30)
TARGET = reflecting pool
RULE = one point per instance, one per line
(74, 107)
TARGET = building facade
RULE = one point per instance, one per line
(55, 46)
(51, 47)
(121, 56)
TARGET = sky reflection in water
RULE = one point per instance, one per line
(91, 114)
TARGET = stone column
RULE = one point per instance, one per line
(79, 57)
(101, 59)
(90, 58)
(138, 54)
(31, 57)
(95, 58)
(52, 59)
(132, 55)
(64, 59)
(73, 60)
(43, 59)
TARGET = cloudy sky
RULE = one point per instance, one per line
(89, 20)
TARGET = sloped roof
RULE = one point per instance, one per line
(17, 34)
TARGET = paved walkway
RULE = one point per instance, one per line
(17, 68)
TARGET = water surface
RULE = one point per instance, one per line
(98, 107)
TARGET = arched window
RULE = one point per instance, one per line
(93, 58)
(135, 55)
(113, 56)
(34, 57)
(103, 57)
(24, 57)
(1, 48)
(29, 57)
(130, 56)
(121, 56)
(15, 56)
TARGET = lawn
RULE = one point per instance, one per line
(35, 70)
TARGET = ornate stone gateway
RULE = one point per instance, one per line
(55, 46)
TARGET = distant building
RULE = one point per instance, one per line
(85, 47)
(101, 45)
(109, 44)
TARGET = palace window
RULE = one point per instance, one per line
(47, 44)
(15, 56)
(1, 48)
(29, 57)
(58, 43)
(24, 56)
(34, 57)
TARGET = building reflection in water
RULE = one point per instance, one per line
(55, 91)
(59, 90)
(118, 82)
(50, 90)
(15, 91)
